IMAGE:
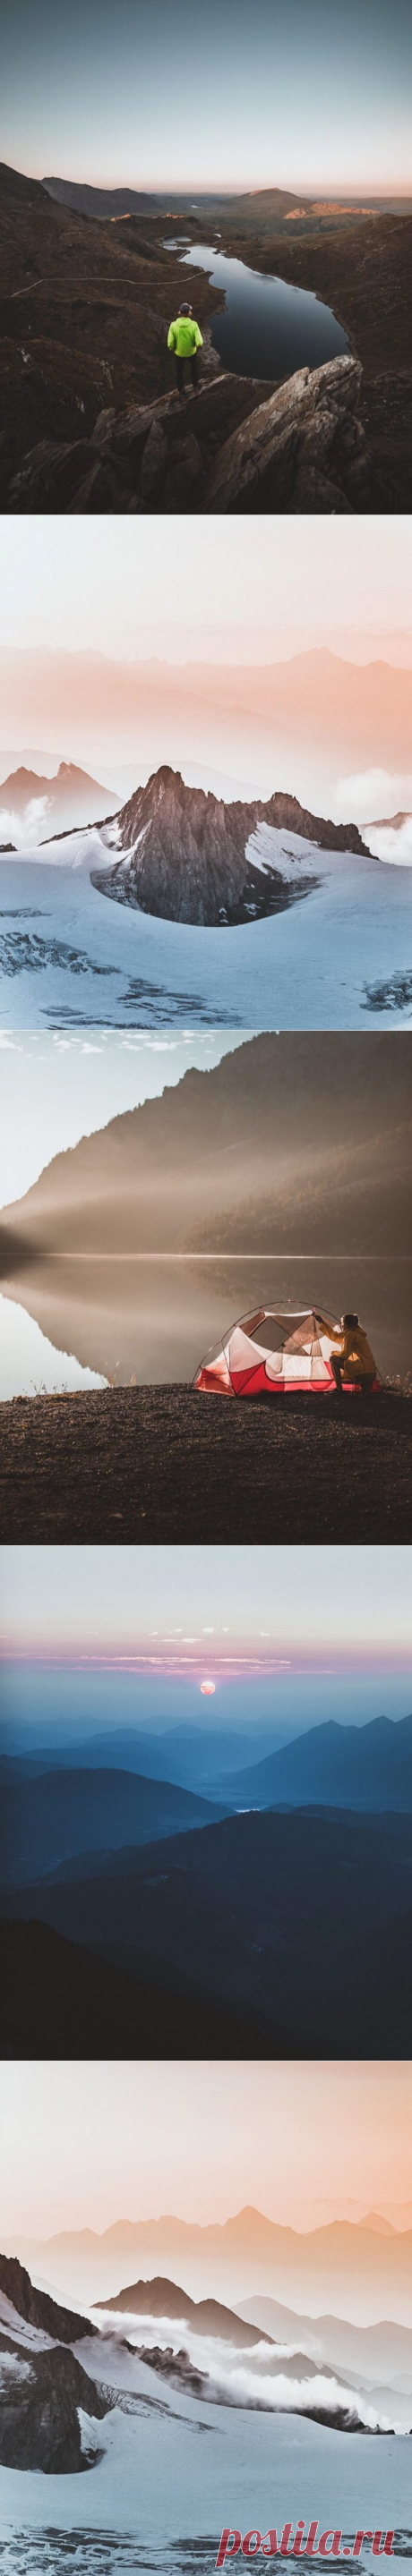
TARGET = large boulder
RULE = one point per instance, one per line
(304, 449)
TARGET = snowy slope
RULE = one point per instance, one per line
(175, 2471)
(340, 958)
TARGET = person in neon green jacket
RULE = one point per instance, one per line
(185, 339)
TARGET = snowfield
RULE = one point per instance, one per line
(176, 2470)
(70, 956)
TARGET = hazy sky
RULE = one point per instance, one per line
(85, 2145)
(196, 1613)
(63, 1086)
(302, 94)
(106, 585)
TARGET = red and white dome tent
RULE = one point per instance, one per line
(273, 1353)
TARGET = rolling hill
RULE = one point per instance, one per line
(60, 1814)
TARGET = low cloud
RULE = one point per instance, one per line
(258, 2379)
(393, 846)
(366, 796)
(26, 829)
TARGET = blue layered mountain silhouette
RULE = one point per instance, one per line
(366, 1767)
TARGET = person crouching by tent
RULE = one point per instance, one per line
(185, 339)
(351, 1357)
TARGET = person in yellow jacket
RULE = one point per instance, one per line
(185, 339)
(351, 1357)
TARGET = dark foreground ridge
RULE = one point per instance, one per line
(60, 1998)
(161, 1464)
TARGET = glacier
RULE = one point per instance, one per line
(71, 956)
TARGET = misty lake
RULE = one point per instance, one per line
(84, 1322)
(268, 328)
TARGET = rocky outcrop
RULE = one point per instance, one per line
(234, 445)
(304, 450)
(35, 2305)
(40, 2399)
(154, 456)
(186, 856)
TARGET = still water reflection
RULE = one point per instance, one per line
(268, 328)
(73, 1323)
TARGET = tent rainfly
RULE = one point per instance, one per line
(276, 1354)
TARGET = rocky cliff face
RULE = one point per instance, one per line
(233, 445)
(39, 2411)
(186, 856)
(36, 2307)
(44, 2390)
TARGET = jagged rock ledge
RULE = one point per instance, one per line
(223, 449)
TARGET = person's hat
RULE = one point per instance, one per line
(184, 308)
(350, 1319)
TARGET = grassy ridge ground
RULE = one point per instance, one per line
(84, 315)
(162, 1464)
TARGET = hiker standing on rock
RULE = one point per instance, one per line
(351, 1356)
(185, 338)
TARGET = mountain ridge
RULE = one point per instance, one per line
(164, 2298)
(187, 855)
(335, 1765)
(69, 798)
(260, 1144)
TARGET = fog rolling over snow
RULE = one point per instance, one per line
(127, 2409)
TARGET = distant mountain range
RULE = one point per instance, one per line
(340, 2262)
(331, 717)
(381, 2349)
(267, 206)
(61, 1814)
(44, 806)
(299, 1139)
(162, 2298)
(366, 1767)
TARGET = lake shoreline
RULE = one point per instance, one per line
(158, 1464)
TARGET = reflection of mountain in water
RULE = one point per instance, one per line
(281, 1173)
(153, 1320)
